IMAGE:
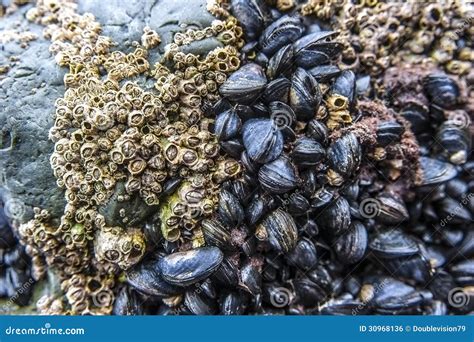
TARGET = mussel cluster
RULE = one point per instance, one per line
(347, 204)
(293, 174)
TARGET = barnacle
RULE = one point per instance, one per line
(109, 131)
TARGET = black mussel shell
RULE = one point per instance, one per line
(390, 209)
(344, 85)
(388, 132)
(304, 255)
(335, 219)
(277, 90)
(297, 204)
(227, 274)
(393, 243)
(283, 116)
(227, 125)
(127, 303)
(186, 268)
(307, 152)
(215, 234)
(256, 209)
(418, 118)
(230, 210)
(146, 277)
(280, 33)
(233, 303)
(455, 141)
(199, 303)
(434, 171)
(442, 90)
(262, 139)
(351, 246)
(317, 130)
(251, 15)
(454, 210)
(251, 279)
(7, 239)
(244, 85)
(280, 230)
(345, 305)
(305, 95)
(281, 62)
(233, 147)
(345, 154)
(278, 176)
(315, 49)
(323, 73)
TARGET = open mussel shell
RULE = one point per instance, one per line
(280, 230)
(262, 140)
(186, 268)
(244, 85)
(278, 176)
(305, 95)
(393, 243)
(345, 154)
(316, 49)
(215, 234)
(351, 246)
(280, 33)
(227, 125)
(281, 62)
(230, 210)
(434, 171)
(442, 90)
(146, 277)
(335, 218)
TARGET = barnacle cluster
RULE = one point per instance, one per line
(111, 133)
(378, 34)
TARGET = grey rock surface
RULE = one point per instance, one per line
(27, 94)
(124, 21)
(32, 84)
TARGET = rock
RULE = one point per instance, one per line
(27, 94)
(124, 21)
(31, 85)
